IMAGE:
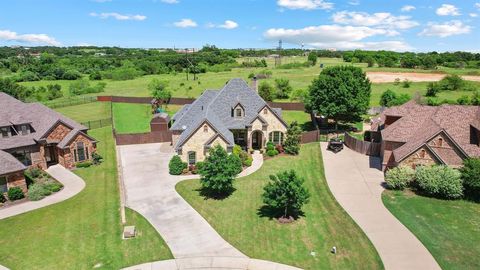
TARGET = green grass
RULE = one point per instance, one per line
(83, 231)
(325, 223)
(132, 118)
(449, 229)
(87, 112)
(302, 118)
(135, 118)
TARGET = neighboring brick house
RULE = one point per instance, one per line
(414, 134)
(34, 135)
(234, 115)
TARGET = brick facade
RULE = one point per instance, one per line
(66, 156)
(58, 133)
(16, 179)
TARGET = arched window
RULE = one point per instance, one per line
(422, 153)
(265, 111)
(192, 158)
(276, 137)
(205, 128)
(80, 152)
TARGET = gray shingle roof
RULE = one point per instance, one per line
(216, 108)
(9, 164)
(40, 117)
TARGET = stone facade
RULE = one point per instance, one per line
(422, 157)
(58, 133)
(273, 124)
(16, 179)
(196, 142)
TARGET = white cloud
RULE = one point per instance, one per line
(408, 8)
(354, 2)
(185, 23)
(305, 4)
(381, 20)
(228, 24)
(336, 36)
(446, 29)
(170, 1)
(448, 10)
(477, 5)
(118, 16)
(473, 15)
(28, 38)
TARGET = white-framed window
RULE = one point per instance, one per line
(238, 112)
(276, 137)
(24, 130)
(3, 184)
(192, 158)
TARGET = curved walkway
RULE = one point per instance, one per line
(150, 190)
(357, 185)
(72, 185)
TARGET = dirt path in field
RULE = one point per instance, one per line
(385, 77)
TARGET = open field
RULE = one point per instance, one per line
(449, 229)
(83, 232)
(241, 220)
(300, 78)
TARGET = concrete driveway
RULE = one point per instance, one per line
(150, 190)
(356, 183)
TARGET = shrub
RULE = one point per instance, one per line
(15, 193)
(406, 83)
(433, 89)
(399, 178)
(37, 192)
(96, 158)
(471, 176)
(237, 163)
(452, 83)
(176, 165)
(2, 198)
(440, 181)
(270, 146)
(463, 100)
(199, 165)
(248, 162)
(272, 153)
(266, 91)
(53, 186)
(283, 88)
(84, 164)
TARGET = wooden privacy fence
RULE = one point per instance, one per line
(310, 136)
(141, 138)
(292, 106)
(363, 147)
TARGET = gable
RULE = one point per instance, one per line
(58, 132)
(274, 121)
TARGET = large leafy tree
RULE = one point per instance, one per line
(471, 176)
(286, 194)
(218, 172)
(266, 91)
(341, 93)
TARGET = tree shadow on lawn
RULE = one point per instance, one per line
(209, 194)
(276, 213)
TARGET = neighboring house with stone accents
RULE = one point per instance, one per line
(233, 115)
(414, 135)
(32, 135)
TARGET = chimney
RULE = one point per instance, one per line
(255, 83)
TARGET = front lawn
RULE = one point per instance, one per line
(305, 243)
(83, 232)
(449, 229)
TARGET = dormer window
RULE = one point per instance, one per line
(24, 130)
(238, 111)
(5, 131)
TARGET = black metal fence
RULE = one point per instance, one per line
(98, 123)
(69, 102)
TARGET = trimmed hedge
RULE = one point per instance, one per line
(176, 165)
(440, 181)
(15, 193)
(399, 178)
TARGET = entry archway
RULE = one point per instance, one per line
(257, 140)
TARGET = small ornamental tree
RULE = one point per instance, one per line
(176, 165)
(266, 91)
(471, 176)
(218, 173)
(292, 142)
(159, 91)
(312, 58)
(286, 194)
(283, 88)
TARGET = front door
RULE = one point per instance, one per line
(257, 140)
(51, 155)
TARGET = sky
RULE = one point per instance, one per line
(421, 25)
